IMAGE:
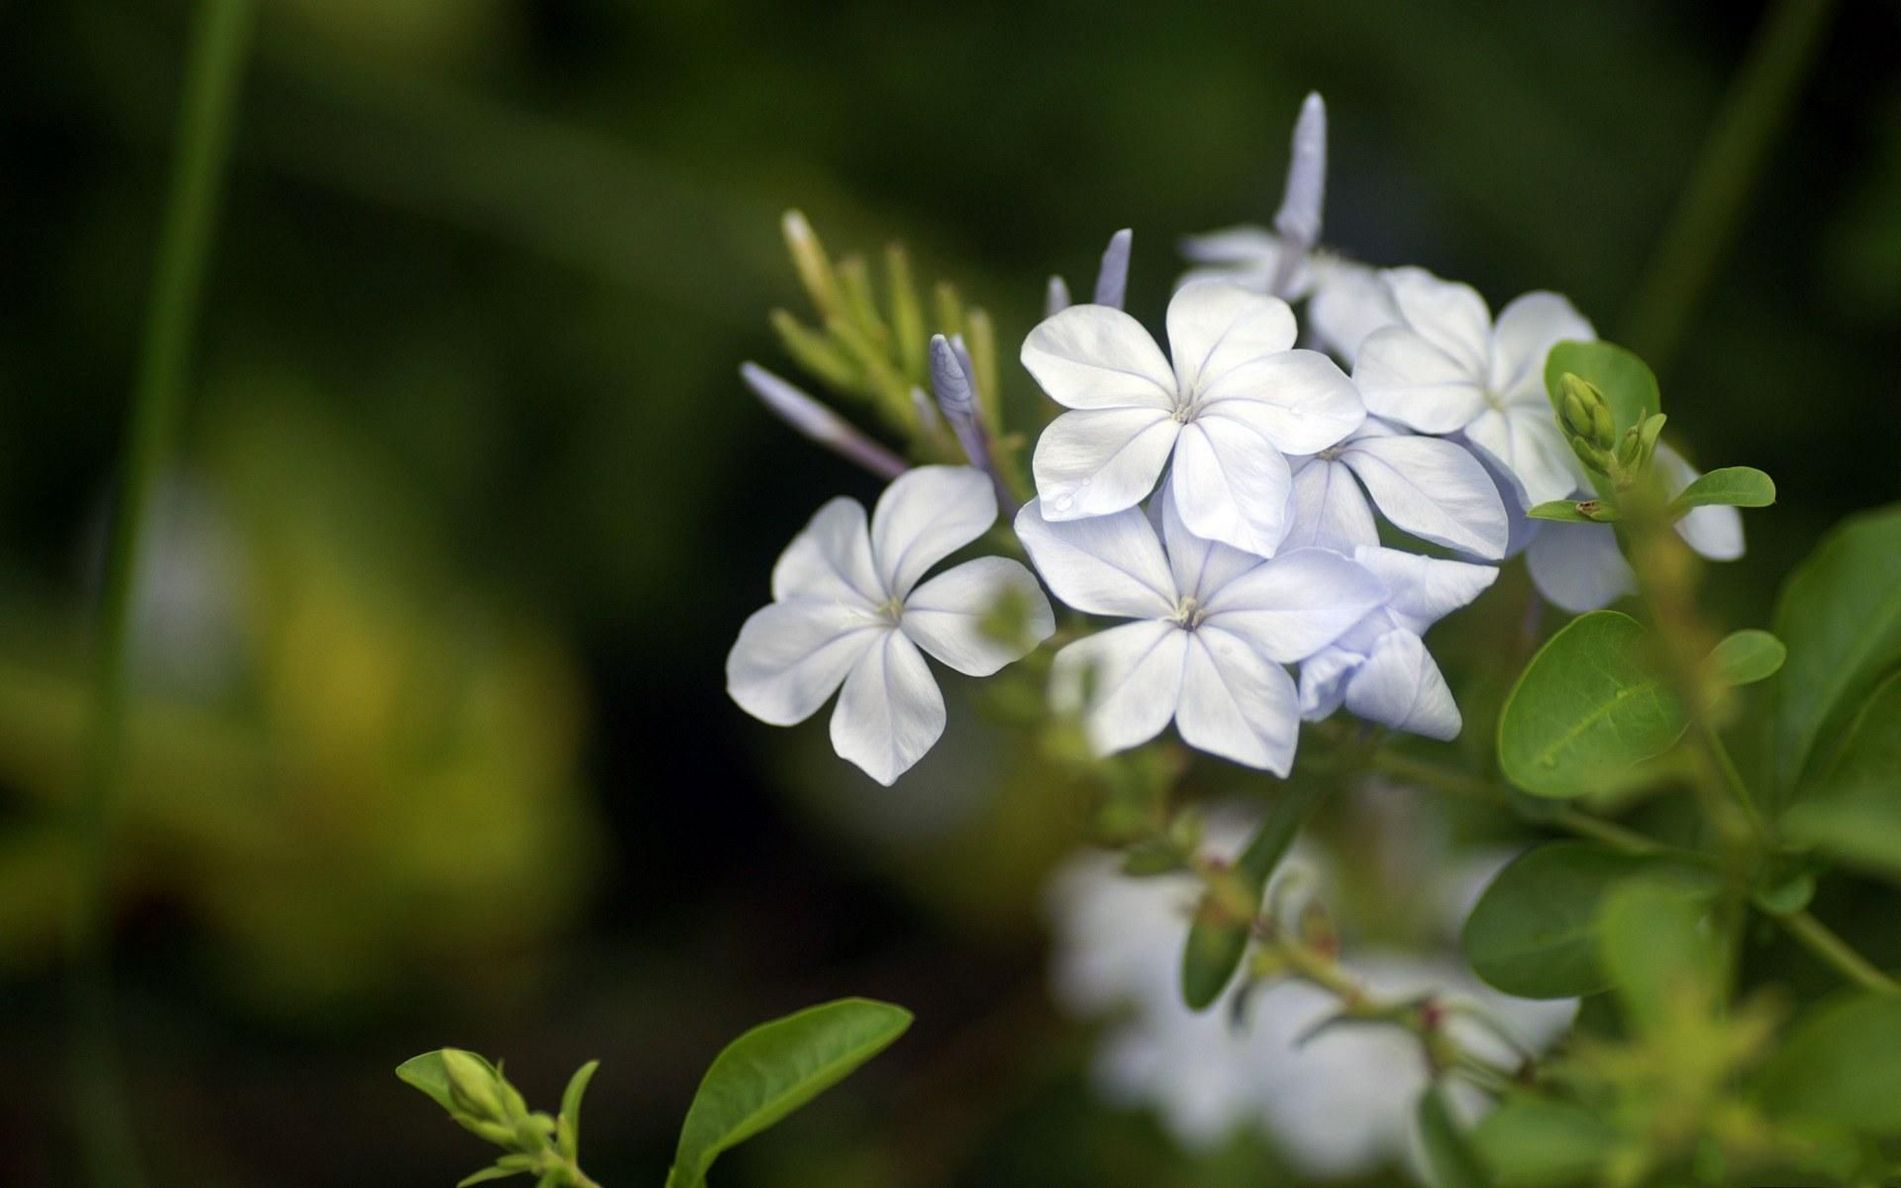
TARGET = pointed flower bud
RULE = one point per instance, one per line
(1055, 297)
(1112, 279)
(1585, 412)
(1298, 220)
(813, 266)
(820, 423)
(472, 1085)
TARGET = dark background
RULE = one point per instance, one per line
(450, 760)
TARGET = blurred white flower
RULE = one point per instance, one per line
(1237, 399)
(1446, 368)
(1579, 567)
(1379, 668)
(1214, 625)
(847, 609)
(1428, 486)
(1339, 1104)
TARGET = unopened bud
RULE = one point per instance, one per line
(472, 1084)
(1593, 458)
(1603, 431)
(1585, 412)
(819, 423)
(1056, 297)
(1630, 449)
(813, 266)
(1112, 279)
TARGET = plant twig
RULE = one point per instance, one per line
(1819, 939)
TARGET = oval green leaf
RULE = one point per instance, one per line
(1840, 1067)
(1745, 657)
(774, 1069)
(427, 1073)
(1656, 949)
(1840, 615)
(1854, 816)
(1534, 932)
(1587, 710)
(1730, 486)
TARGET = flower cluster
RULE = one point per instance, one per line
(1223, 496)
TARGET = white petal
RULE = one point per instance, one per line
(1296, 604)
(1401, 686)
(1231, 485)
(1214, 328)
(791, 656)
(890, 712)
(1527, 329)
(1434, 489)
(1578, 566)
(1526, 442)
(1349, 303)
(1323, 681)
(1422, 590)
(1237, 704)
(1094, 462)
(925, 515)
(1132, 675)
(1299, 400)
(1105, 565)
(1200, 566)
(945, 616)
(1330, 512)
(1403, 377)
(1713, 530)
(1450, 315)
(830, 559)
(1092, 356)
(1256, 247)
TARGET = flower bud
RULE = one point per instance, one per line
(819, 423)
(813, 266)
(1112, 279)
(1593, 459)
(472, 1084)
(1585, 412)
(1056, 297)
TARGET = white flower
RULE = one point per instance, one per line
(847, 610)
(1213, 627)
(1380, 669)
(1337, 1104)
(1235, 402)
(1446, 368)
(1428, 486)
(1578, 566)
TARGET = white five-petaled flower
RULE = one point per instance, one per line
(1428, 486)
(1213, 627)
(1445, 367)
(1235, 402)
(847, 609)
(1379, 668)
(1579, 567)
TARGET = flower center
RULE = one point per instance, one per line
(1189, 614)
(1496, 401)
(892, 609)
(1332, 453)
(1184, 410)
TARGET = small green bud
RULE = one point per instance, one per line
(1593, 459)
(1603, 432)
(813, 266)
(472, 1084)
(1629, 449)
(1576, 412)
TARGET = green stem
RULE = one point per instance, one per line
(1822, 941)
(219, 36)
(1711, 206)
(1458, 783)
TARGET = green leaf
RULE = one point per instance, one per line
(427, 1073)
(1574, 511)
(496, 1172)
(1855, 815)
(1732, 486)
(1216, 943)
(774, 1069)
(1450, 1160)
(1534, 932)
(1535, 1142)
(1587, 710)
(1840, 615)
(1662, 958)
(570, 1117)
(1745, 657)
(1627, 383)
(1840, 1066)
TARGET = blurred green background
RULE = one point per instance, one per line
(431, 743)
